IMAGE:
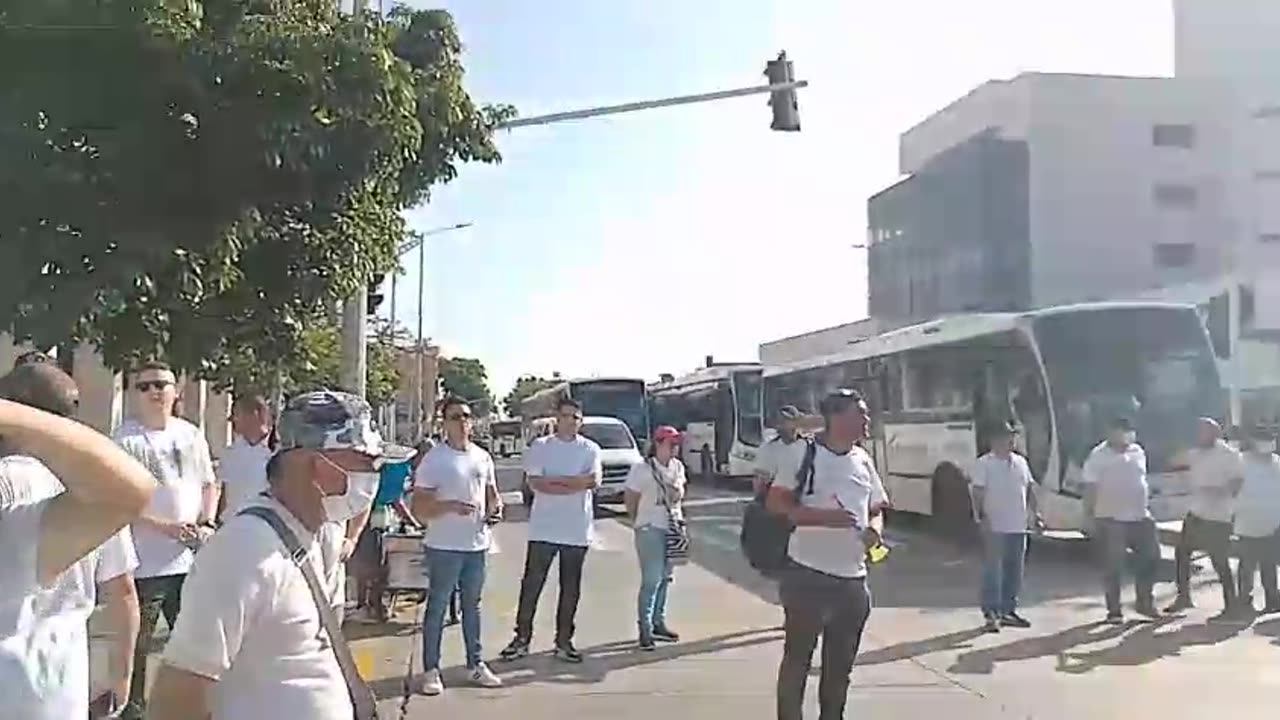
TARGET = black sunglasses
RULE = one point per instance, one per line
(459, 416)
(148, 385)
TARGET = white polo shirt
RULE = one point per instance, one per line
(1211, 472)
(563, 519)
(1120, 477)
(242, 470)
(1005, 482)
(44, 642)
(459, 475)
(848, 481)
(178, 457)
(248, 621)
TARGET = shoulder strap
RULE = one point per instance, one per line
(662, 487)
(362, 700)
(804, 476)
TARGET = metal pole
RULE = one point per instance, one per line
(650, 104)
(355, 331)
(395, 399)
(418, 380)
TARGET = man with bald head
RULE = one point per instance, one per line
(1216, 474)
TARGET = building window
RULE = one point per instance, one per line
(1174, 136)
(1175, 255)
(1175, 195)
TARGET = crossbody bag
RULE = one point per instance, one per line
(676, 546)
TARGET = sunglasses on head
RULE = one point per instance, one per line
(149, 385)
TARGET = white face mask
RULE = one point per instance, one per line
(361, 489)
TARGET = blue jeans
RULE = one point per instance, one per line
(1003, 559)
(655, 577)
(447, 569)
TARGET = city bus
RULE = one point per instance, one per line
(1062, 374)
(622, 398)
(720, 410)
(506, 437)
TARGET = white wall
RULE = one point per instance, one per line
(1002, 105)
(817, 343)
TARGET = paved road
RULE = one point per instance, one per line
(923, 653)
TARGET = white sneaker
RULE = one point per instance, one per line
(481, 675)
(432, 683)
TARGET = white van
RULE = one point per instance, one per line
(618, 452)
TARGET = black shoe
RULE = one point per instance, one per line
(992, 625)
(646, 643)
(1179, 605)
(567, 652)
(663, 633)
(1114, 619)
(518, 648)
(1271, 609)
(1014, 620)
(451, 620)
(1148, 611)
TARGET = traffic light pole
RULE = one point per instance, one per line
(651, 104)
(355, 344)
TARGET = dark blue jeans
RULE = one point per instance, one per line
(447, 569)
(1003, 561)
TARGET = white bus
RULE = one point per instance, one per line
(720, 410)
(506, 438)
(1060, 373)
(621, 398)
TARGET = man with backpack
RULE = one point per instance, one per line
(836, 511)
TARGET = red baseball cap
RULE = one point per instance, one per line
(665, 433)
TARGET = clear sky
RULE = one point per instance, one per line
(638, 244)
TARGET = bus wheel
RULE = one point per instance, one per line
(952, 505)
(707, 467)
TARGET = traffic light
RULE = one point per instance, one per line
(375, 296)
(786, 109)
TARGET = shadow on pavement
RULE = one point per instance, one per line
(984, 660)
(1147, 644)
(914, 649)
(613, 656)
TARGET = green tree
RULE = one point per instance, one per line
(467, 378)
(525, 386)
(206, 180)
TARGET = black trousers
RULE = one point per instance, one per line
(1215, 539)
(156, 596)
(1260, 555)
(537, 564)
(835, 608)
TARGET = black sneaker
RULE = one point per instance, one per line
(663, 633)
(1114, 619)
(1180, 604)
(646, 643)
(992, 625)
(567, 652)
(518, 648)
(1148, 612)
(1014, 620)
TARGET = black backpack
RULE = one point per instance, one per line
(765, 534)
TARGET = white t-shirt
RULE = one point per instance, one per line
(178, 457)
(249, 622)
(848, 481)
(651, 512)
(563, 519)
(1257, 507)
(1121, 480)
(1005, 483)
(242, 470)
(44, 643)
(780, 459)
(1213, 469)
(461, 475)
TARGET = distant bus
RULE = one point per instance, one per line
(506, 437)
(621, 398)
(720, 410)
(1061, 373)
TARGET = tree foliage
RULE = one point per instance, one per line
(467, 378)
(206, 180)
(525, 386)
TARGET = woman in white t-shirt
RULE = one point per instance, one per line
(654, 493)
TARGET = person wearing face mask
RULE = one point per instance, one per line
(1118, 498)
(251, 641)
(1257, 520)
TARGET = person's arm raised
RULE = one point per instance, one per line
(106, 489)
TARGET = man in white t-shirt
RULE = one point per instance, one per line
(250, 643)
(1117, 496)
(1216, 472)
(242, 468)
(1257, 521)
(181, 514)
(1004, 500)
(52, 552)
(455, 491)
(838, 514)
(564, 469)
(782, 452)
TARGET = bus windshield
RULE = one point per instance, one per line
(621, 399)
(748, 390)
(1153, 365)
